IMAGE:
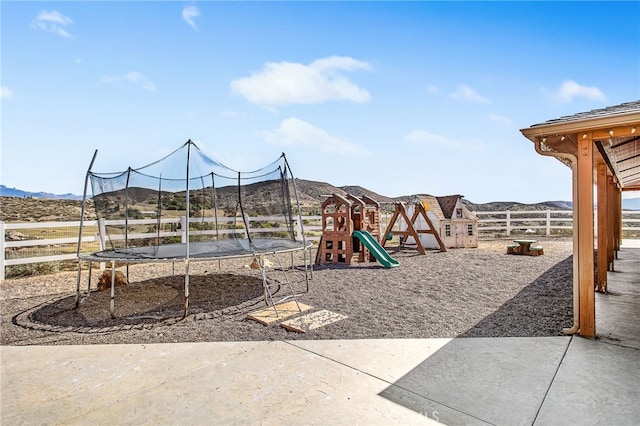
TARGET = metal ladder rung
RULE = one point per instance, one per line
(267, 286)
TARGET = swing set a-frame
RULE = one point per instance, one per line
(419, 211)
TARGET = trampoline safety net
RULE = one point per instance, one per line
(188, 205)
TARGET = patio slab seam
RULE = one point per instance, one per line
(555, 374)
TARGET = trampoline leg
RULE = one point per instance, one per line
(186, 289)
(186, 307)
(89, 280)
(78, 282)
(307, 268)
(112, 306)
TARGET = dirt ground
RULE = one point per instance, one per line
(479, 292)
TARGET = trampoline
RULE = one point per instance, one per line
(189, 207)
(211, 250)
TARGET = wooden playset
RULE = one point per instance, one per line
(341, 217)
(351, 226)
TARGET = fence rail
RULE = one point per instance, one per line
(549, 222)
(40, 242)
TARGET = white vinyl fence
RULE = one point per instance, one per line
(542, 222)
(539, 221)
(38, 242)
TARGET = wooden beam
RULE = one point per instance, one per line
(410, 232)
(611, 220)
(603, 224)
(618, 219)
(420, 211)
(587, 321)
(617, 132)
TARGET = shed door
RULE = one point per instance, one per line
(461, 230)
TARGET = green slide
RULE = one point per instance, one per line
(376, 249)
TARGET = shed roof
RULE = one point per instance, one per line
(434, 205)
(448, 204)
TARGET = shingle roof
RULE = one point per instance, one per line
(448, 204)
(625, 108)
(434, 206)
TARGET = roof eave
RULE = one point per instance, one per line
(575, 126)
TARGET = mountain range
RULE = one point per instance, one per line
(313, 191)
(14, 192)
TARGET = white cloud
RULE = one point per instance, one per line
(500, 119)
(133, 77)
(286, 83)
(466, 93)
(188, 13)
(52, 22)
(5, 93)
(295, 132)
(570, 89)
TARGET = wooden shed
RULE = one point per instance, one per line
(456, 225)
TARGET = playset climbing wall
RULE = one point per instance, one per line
(336, 244)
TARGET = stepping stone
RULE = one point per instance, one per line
(312, 321)
(282, 311)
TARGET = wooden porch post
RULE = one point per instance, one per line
(585, 235)
(618, 219)
(611, 219)
(603, 224)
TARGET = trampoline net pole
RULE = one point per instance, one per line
(84, 205)
(187, 253)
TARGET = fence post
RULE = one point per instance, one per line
(548, 222)
(2, 248)
(102, 235)
(508, 223)
(183, 229)
(297, 227)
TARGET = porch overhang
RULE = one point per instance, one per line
(602, 147)
(615, 130)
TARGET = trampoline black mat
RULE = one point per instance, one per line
(198, 250)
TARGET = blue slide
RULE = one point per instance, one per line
(376, 249)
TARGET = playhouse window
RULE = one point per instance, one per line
(447, 230)
(469, 229)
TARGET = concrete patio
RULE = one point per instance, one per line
(501, 381)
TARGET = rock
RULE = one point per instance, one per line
(15, 236)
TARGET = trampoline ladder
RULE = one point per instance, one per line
(270, 285)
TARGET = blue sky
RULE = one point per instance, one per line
(398, 97)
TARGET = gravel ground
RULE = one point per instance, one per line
(481, 292)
